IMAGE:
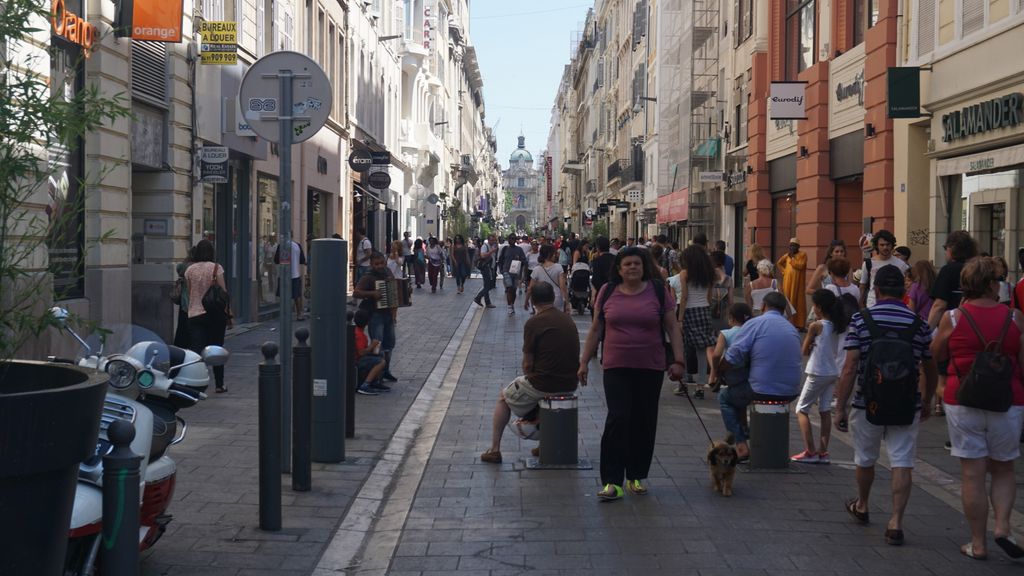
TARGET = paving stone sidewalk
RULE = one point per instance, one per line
(473, 518)
(216, 504)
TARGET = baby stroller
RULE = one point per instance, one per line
(579, 287)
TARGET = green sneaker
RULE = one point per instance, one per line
(636, 488)
(611, 492)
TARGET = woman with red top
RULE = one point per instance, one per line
(633, 321)
(986, 442)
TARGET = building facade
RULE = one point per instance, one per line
(404, 80)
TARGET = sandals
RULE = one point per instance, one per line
(894, 537)
(1010, 546)
(636, 488)
(859, 517)
(610, 493)
(968, 550)
(491, 457)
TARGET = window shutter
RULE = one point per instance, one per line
(973, 18)
(149, 71)
(925, 27)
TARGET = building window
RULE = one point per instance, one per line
(409, 16)
(521, 183)
(800, 49)
(744, 26)
(865, 16)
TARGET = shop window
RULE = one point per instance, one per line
(268, 231)
(800, 36)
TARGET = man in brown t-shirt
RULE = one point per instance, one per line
(551, 351)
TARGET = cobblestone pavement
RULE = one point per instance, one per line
(414, 499)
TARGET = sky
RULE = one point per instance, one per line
(522, 48)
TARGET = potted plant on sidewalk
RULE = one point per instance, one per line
(49, 413)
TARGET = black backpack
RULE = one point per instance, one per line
(890, 378)
(850, 306)
(988, 384)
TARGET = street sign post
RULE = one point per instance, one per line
(285, 98)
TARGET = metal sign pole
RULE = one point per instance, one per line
(285, 121)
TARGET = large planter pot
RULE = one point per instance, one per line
(49, 422)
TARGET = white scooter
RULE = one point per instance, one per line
(149, 383)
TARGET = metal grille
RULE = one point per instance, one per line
(149, 71)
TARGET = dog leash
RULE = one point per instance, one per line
(697, 412)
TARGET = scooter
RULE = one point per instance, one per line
(149, 384)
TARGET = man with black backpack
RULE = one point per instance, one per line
(886, 346)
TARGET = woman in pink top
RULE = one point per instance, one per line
(986, 442)
(205, 329)
(633, 323)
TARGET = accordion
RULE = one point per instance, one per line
(394, 293)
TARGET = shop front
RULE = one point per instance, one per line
(782, 185)
(673, 212)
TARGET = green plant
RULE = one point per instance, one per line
(42, 122)
(600, 228)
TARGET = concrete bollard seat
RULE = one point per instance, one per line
(769, 434)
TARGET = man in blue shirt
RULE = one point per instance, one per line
(770, 346)
(729, 262)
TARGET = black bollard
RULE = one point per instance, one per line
(119, 550)
(302, 413)
(351, 375)
(270, 439)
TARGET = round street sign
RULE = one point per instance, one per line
(590, 212)
(433, 198)
(379, 180)
(360, 160)
(260, 95)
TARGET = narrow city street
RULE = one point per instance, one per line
(413, 498)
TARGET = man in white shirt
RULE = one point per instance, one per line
(363, 251)
(407, 254)
(297, 258)
(883, 243)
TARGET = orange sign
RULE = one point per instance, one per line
(71, 26)
(157, 20)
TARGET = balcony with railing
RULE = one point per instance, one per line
(626, 171)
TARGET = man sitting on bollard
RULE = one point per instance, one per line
(369, 363)
(551, 351)
(382, 320)
(770, 345)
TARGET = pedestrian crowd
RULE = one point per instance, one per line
(875, 343)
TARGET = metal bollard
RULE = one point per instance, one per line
(270, 439)
(351, 375)
(769, 434)
(302, 413)
(559, 427)
(119, 552)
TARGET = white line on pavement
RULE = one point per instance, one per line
(369, 532)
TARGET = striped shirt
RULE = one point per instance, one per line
(887, 314)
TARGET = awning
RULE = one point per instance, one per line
(707, 149)
(674, 207)
(366, 191)
(982, 161)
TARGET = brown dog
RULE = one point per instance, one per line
(722, 459)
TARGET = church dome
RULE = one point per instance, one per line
(521, 154)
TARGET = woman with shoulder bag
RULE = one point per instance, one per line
(632, 320)
(209, 313)
(982, 342)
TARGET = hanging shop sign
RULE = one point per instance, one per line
(153, 20)
(711, 177)
(1002, 112)
(360, 160)
(72, 27)
(219, 43)
(379, 180)
(547, 175)
(786, 101)
(213, 164)
(903, 94)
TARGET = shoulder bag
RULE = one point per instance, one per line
(216, 301)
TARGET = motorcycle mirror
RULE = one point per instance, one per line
(215, 355)
(60, 316)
